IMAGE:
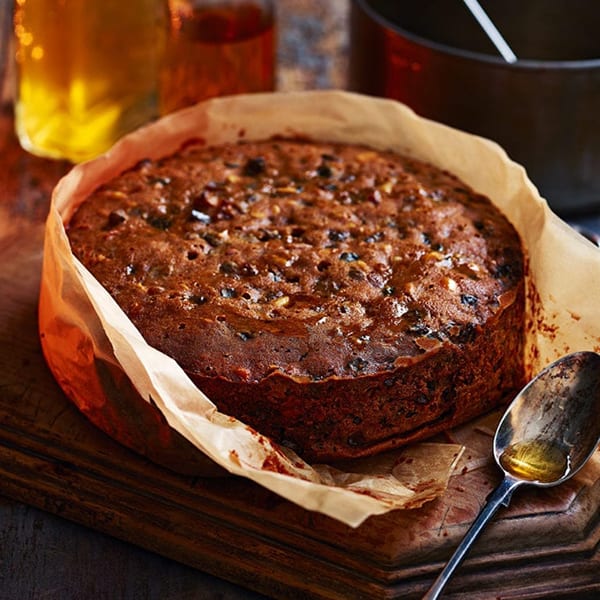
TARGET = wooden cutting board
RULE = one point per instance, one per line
(547, 545)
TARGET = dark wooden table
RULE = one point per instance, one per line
(44, 555)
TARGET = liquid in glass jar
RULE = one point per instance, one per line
(217, 48)
(87, 72)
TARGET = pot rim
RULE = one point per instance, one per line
(525, 64)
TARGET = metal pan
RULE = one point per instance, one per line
(543, 109)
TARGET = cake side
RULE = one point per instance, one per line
(337, 418)
(338, 299)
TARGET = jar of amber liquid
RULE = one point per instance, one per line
(87, 72)
(216, 48)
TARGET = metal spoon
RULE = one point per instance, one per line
(491, 30)
(546, 435)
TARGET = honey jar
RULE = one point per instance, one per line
(87, 72)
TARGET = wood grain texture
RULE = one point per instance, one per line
(44, 556)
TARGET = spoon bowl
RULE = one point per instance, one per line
(554, 420)
(546, 435)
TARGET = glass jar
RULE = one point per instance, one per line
(216, 48)
(87, 72)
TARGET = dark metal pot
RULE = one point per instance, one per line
(543, 109)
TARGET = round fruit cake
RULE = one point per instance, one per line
(339, 299)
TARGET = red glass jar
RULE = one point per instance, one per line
(216, 48)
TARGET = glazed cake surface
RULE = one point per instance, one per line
(340, 300)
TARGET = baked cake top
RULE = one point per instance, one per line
(314, 260)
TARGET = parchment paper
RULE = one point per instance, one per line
(76, 312)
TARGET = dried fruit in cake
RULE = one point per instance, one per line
(339, 299)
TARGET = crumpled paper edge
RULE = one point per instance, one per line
(375, 122)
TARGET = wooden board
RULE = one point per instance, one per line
(546, 545)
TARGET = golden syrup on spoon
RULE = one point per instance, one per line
(536, 460)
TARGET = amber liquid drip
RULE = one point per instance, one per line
(215, 51)
(87, 72)
(537, 460)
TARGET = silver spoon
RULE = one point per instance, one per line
(546, 435)
(490, 30)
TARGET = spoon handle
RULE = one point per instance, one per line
(490, 30)
(500, 496)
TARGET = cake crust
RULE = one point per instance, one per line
(338, 299)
